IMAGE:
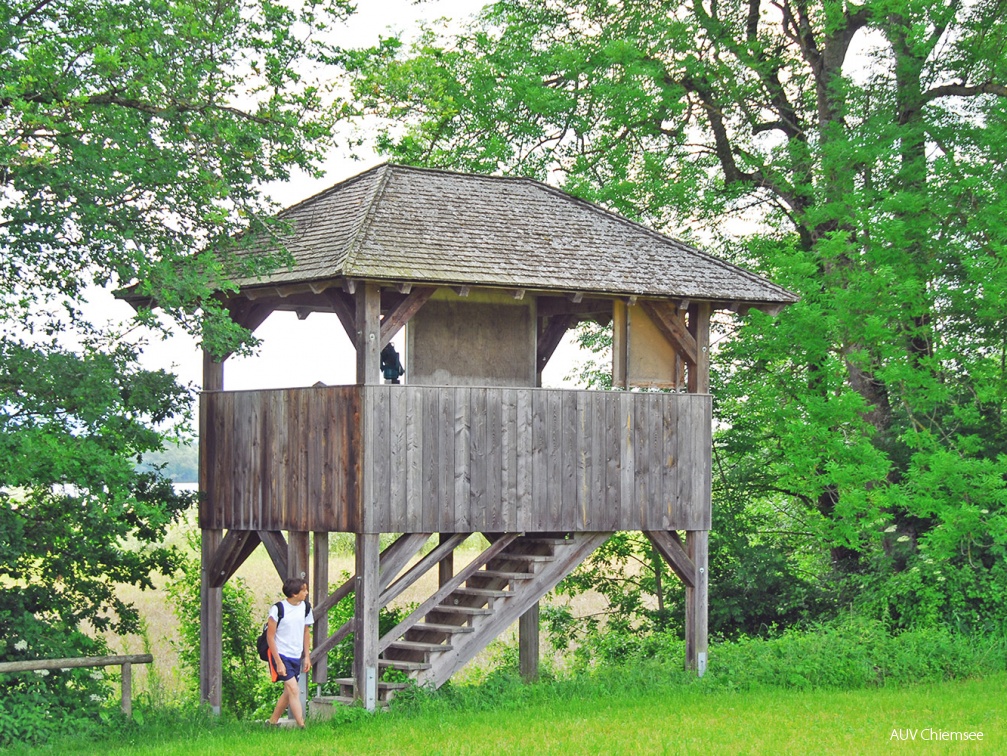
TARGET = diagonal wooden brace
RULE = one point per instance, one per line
(393, 321)
(550, 336)
(234, 549)
(343, 306)
(276, 547)
(669, 545)
(671, 324)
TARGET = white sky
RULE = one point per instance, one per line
(300, 353)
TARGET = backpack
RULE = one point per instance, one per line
(261, 644)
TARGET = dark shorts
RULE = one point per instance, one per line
(292, 667)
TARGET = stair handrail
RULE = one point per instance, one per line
(421, 568)
(445, 590)
(344, 590)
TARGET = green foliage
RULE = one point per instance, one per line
(76, 520)
(72, 429)
(37, 706)
(340, 657)
(245, 677)
(849, 653)
(135, 141)
(855, 654)
(860, 433)
(136, 135)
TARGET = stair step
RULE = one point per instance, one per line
(382, 685)
(322, 707)
(433, 627)
(405, 666)
(449, 609)
(502, 575)
(323, 700)
(405, 645)
(482, 592)
(505, 557)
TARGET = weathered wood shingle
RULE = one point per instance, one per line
(419, 225)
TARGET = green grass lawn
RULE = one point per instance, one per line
(581, 718)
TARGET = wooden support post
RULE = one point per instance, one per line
(297, 554)
(127, 689)
(698, 379)
(211, 599)
(319, 592)
(365, 637)
(213, 373)
(528, 640)
(446, 567)
(211, 628)
(368, 341)
(697, 546)
(697, 541)
(276, 547)
(368, 557)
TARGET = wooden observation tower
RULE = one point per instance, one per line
(486, 275)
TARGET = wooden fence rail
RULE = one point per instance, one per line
(125, 661)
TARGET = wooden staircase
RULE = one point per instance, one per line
(471, 609)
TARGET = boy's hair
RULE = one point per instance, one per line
(292, 586)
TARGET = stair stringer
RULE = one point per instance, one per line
(507, 610)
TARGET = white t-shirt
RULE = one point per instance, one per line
(290, 629)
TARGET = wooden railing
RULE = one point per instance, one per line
(125, 661)
(412, 459)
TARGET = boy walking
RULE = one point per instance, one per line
(288, 638)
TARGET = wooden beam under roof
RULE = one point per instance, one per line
(547, 306)
(770, 308)
(247, 313)
(671, 324)
(345, 309)
(397, 318)
(550, 334)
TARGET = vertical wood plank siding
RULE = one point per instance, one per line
(456, 460)
(287, 459)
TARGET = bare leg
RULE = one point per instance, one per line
(292, 692)
(281, 706)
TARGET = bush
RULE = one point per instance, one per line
(245, 676)
(37, 706)
(849, 653)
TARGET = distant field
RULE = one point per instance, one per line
(656, 719)
(260, 575)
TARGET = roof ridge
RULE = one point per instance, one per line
(339, 186)
(353, 247)
(755, 277)
(664, 238)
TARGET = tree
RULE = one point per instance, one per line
(135, 140)
(854, 152)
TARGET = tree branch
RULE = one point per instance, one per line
(155, 110)
(32, 11)
(962, 90)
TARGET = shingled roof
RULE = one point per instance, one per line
(430, 226)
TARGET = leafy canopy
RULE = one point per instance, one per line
(135, 140)
(853, 152)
